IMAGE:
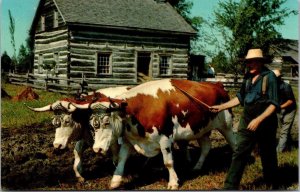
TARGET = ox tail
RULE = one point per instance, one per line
(224, 96)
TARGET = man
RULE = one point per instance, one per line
(211, 71)
(287, 113)
(258, 122)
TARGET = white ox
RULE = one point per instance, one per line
(72, 124)
(151, 116)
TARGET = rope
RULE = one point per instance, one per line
(186, 93)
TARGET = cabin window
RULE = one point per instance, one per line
(104, 63)
(55, 19)
(43, 23)
(40, 63)
(165, 65)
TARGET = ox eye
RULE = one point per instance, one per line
(96, 123)
(92, 117)
(56, 121)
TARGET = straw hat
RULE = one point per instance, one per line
(254, 54)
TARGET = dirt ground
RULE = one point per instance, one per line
(29, 162)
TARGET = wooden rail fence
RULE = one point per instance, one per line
(73, 86)
(49, 83)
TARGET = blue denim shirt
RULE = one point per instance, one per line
(254, 93)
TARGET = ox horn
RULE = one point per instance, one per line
(70, 107)
(81, 106)
(57, 105)
(95, 105)
(40, 109)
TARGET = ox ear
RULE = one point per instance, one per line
(40, 109)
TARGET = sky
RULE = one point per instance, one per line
(23, 12)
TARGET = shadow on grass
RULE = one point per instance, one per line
(147, 171)
(287, 176)
(218, 159)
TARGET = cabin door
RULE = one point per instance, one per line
(143, 66)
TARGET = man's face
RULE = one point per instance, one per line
(254, 66)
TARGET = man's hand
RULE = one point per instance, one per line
(252, 126)
(256, 122)
(216, 108)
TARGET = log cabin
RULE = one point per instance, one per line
(287, 60)
(111, 42)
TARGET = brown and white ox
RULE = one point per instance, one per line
(151, 116)
(72, 124)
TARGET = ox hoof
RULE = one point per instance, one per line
(115, 182)
(115, 185)
(196, 169)
(80, 179)
(172, 186)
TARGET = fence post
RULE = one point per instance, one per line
(27, 78)
(46, 81)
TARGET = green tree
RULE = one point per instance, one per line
(30, 47)
(5, 62)
(12, 37)
(23, 60)
(220, 63)
(246, 24)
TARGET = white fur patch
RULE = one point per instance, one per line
(181, 132)
(147, 146)
(149, 88)
(112, 91)
(184, 112)
(62, 135)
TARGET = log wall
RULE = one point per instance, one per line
(48, 44)
(85, 45)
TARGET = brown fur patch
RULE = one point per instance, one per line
(26, 94)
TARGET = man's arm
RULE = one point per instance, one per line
(255, 122)
(286, 104)
(229, 104)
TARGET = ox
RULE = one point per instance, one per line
(72, 124)
(151, 116)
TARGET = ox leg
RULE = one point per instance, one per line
(229, 137)
(77, 167)
(227, 129)
(165, 146)
(205, 144)
(115, 152)
(117, 178)
(183, 146)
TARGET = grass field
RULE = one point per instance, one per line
(16, 114)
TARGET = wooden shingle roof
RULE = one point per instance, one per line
(133, 14)
(292, 54)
